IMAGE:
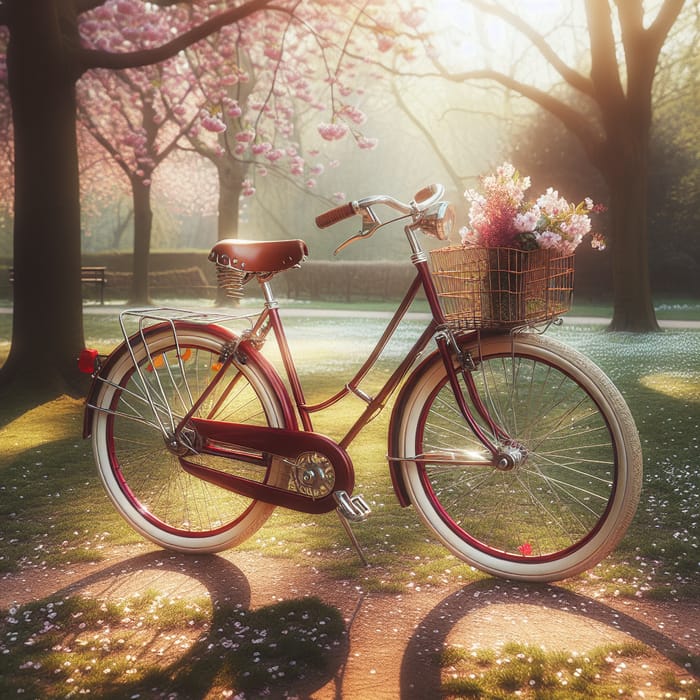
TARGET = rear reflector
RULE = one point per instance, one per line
(87, 361)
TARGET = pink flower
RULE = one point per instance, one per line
(274, 155)
(598, 241)
(548, 239)
(366, 143)
(384, 43)
(332, 132)
(213, 124)
(527, 221)
(500, 216)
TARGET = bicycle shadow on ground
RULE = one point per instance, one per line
(195, 671)
(532, 614)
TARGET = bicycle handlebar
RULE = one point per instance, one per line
(420, 209)
(422, 200)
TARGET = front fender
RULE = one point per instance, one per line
(253, 356)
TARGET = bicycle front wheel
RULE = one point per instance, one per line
(564, 501)
(136, 461)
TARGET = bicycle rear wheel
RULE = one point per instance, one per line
(573, 487)
(142, 473)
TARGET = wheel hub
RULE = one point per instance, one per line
(511, 457)
(182, 443)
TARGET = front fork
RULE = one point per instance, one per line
(497, 441)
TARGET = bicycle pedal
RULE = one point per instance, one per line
(353, 508)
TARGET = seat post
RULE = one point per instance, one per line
(270, 299)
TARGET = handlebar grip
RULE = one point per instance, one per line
(333, 216)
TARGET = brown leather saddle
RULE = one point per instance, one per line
(258, 257)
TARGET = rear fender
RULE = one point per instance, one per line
(253, 356)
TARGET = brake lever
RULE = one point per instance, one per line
(370, 223)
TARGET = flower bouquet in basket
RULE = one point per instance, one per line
(516, 262)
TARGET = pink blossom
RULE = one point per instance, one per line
(598, 242)
(126, 7)
(551, 203)
(355, 115)
(576, 226)
(367, 144)
(233, 110)
(245, 136)
(384, 43)
(274, 155)
(527, 221)
(332, 132)
(260, 148)
(414, 18)
(272, 53)
(213, 124)
(548, 239)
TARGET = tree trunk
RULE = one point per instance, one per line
(633, 308)
(143, 222)
(47, 332)
(231, 175)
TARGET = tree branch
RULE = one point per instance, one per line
(102, 59)
(571, 76)
(456, 178)
(572, 119)
(604, 68)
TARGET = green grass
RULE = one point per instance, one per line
(150, 646)
(518, 670)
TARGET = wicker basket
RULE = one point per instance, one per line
(501, 287)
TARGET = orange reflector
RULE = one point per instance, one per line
(186, 355)
(87, 360)
(216, 366)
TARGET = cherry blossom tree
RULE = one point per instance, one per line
(136, 115)
(51, 45)
(46, 56)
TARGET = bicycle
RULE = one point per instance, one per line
(516, 451)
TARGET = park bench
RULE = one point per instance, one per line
(92, 274)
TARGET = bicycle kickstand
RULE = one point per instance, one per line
(352, 509)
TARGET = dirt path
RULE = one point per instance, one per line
(392, 638)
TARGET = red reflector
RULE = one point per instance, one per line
(87, 360)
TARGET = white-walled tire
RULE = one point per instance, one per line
(143, 478)
(569, 499)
